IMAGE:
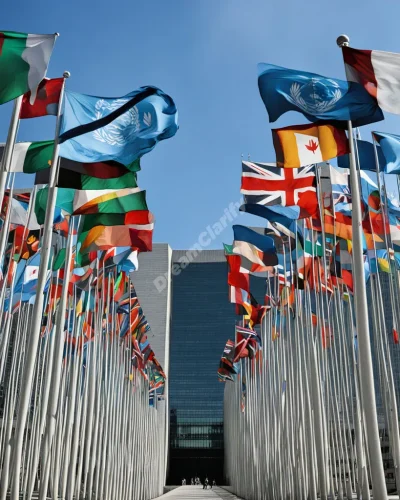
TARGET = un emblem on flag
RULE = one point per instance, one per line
(120, 131)
(316, 96)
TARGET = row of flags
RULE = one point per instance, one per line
(305, 241)
(98, 146)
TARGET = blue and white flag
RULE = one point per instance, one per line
(95, 129)
(390, 145)
(366, 156)
(316, 97)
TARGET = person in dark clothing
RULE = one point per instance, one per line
(205, 484)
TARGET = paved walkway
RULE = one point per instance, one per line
(197, 493)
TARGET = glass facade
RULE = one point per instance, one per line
(202, 321)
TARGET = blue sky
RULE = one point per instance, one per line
(203, 53)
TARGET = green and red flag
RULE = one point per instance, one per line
(24, 59)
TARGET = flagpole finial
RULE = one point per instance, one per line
(66, 74)
(343, 41)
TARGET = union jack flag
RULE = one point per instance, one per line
(265, 184)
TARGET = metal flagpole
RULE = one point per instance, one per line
(362, 323)
(9, 146)
(28, 372)
(56, 369)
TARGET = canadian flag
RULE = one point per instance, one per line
(378, 72)
(308, 149)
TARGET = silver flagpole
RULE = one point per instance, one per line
(29, 366)
(362, 323)
(56, 370)
(9, 147)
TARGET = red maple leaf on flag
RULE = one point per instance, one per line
(312, 146)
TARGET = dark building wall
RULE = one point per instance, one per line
(202, 321)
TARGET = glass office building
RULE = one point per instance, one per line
(184, 296)
(202, 321)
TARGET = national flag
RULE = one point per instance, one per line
(100, 175)
(340, 225)
(248, 332)
(74, 180)
(245, 265)
(122, 129)
(227, 357)
(47, 99)
(138, 217)
(366, 157)
(390, 146)
(316, 97)
(273, 213)
(335, 185)
(240, 280)
(80, 202)
(301, 145)
(24, 59)
(19, 214)
(265, 184)
(127, 261)
(254, 255)
(378, 72)
(34, 157)
(26, 243)
(105, 237)
(30, 157)
(256, 247)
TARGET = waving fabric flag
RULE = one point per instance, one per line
(47, 99)
(390, 146)
(244, 265)
(301, 145)
(268, 185)
(136, 217)
(19, 214)
(335, 185)
(100, 175)
(105, 237)
(378, 72)
(316, 97)
(282, 215)
(255, 246)
(107, 201)
(74, 180)
(23, 63)
(366, 157)
(30, 157)
(122, 129)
